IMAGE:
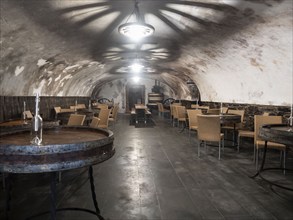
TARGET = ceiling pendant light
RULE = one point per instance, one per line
(136, 67)
(136, 30)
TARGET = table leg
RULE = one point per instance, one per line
(53, 195)
(7, 195)
(54, 210)
(234, 135)
(98, 212)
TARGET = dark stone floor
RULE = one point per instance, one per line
(156, 174)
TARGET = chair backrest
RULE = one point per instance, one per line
(265, 113)
(115, 111)
(194, 106)
(225, 110)
(94, 123)
(57, 109)
(102, 106)
(181, 111)
(238, 112)
(80, 106)
(76, 119)
(192, 116)
(209, 127)
(260, 120)
(172, 109)
(28, 114)
(160, 107)
(215, 111)
(175, 112)
(104, 117)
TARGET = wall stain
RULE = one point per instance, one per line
(253, 62)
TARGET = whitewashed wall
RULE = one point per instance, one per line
(117, 90)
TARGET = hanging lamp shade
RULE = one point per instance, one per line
(136, 30)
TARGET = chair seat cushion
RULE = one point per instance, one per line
(243, 133)
(261, 144)
(193, 127)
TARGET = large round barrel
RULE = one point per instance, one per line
(155, 97)
(63, 148)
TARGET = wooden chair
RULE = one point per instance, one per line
(224, 110)
(192, 119)
(194, 106)
(181, 114)
(247, 134)
(76, 119)
(209, 129)
(172, 111)
(113, 114)
(238, 126)
(95, 122)
(260, 120)
(175, 114)
(214, 111)
(162, 110)
(104, 118)
(28, 114)
(102, 106)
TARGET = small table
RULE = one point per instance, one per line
(63, 148)
(141, 112)
(279, 133)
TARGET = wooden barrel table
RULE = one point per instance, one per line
(63, 148)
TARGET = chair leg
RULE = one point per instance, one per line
(254, 153)
(223, 144)
(219, 150)
(238, 144)
(256, 159)
(198, 148)
(284, 161)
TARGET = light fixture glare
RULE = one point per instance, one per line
(135, 79)
(135, 30)
(136, 67)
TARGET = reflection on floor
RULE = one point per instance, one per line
(156, 174)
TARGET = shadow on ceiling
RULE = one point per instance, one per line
(104, 46)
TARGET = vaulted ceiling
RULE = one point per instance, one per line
(234, 50)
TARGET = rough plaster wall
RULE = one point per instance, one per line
(116, 89)
(253, 65)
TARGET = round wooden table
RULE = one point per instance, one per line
(278, 133)
(63, 148)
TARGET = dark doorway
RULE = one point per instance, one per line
(135, 95)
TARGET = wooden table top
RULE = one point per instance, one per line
(279, 133)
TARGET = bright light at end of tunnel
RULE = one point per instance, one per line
(135, 79)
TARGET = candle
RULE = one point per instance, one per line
(24, 106)
(291, 117)
(221, 107)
